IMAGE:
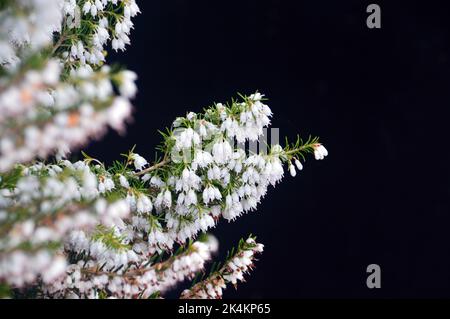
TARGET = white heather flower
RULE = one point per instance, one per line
(214, 173)
(117, 114)
(292, 170)
(55, 269)
(99, 4)
(167, 201)
(118, 28)
(222, 152)
(259, 248)
(87, 7)
(202, 130)
(156, 181)
(186, 138)
(205, 222)
(94, 10)
(127, 85)
(256, 96)
(134, 9)
(124, 182)
(50, 74)
(139, 162)
(188, 180)
(117, 44)
(106, 185)
(202, 159)
(298, 164)
(273, 170)
(320, 152)
(210, 194)
(143, 204)
(191, 198)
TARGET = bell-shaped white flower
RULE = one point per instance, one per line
(139, 162)
(320, 151)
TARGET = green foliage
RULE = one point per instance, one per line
(299, 148)
(4, 4)
(5, 291)
(9, 179)
(155, 295)
(108, 237)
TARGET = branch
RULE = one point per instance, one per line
(165, 161)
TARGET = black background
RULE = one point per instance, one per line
(377, 98)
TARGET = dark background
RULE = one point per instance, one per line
(377, 98)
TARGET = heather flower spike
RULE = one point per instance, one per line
(138, 228)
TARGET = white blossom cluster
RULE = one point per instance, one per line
(40, 115)
(123, 274)
(220, 179)
(223, 182)
(180, 200)
(27, 23)
(135, 229)
(241, 263)
(232, 272)
(320, 152)
(48, 106)
(85, 41)
(169, 205)
(47, 203)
